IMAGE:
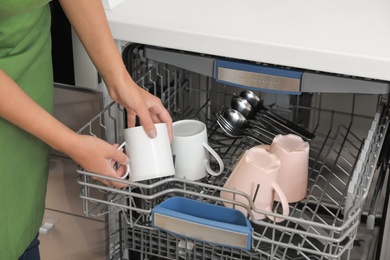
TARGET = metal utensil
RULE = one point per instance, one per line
(228, 122)
(236, 125)
(242, 105)
(288, 125)
(262, 113)
(253, 100)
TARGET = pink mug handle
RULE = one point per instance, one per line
(283, 200)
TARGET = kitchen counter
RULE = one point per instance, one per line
(350, 37)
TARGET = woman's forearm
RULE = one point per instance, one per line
(89, 21)
(18, 108)
(89, 152)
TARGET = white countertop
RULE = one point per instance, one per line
(349, 37)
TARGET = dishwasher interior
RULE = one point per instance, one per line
(348, 129)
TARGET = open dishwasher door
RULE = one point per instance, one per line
(344, 154)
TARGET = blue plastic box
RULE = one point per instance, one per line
(202, 221)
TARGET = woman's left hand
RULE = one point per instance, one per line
(139, 102)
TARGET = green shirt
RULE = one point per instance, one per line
(25, 55)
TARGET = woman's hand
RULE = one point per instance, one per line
(89, 22)
(139, 102)
(97, 156)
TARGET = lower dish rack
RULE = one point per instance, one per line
(324, 225)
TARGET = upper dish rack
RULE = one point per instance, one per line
(343, 158)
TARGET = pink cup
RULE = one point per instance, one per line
(256, 174)
(293, 153)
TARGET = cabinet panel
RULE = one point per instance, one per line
(63, 191)
(72, 237)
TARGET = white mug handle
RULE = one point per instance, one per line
(283, 200)
(216, 156)
(127, 165)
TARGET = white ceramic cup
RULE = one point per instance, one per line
(149, 158)
(256, 174)
(191, 150)
(293, 152)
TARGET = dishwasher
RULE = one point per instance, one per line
(343, 214)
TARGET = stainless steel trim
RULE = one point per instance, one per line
(322, 83)
(258, 80)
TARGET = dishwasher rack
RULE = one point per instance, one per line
(343, 159)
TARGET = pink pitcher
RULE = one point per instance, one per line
(293, 153)
(256, 174)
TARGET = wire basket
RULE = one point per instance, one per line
(321, 226)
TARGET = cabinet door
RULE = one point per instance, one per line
(66, 232)
(63, 191)
(65, 236)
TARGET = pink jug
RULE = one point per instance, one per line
(293, 153)
(255, 175)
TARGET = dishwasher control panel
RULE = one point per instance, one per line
(266, 77)
(259, 77)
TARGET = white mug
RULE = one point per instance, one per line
(191, 150)
(149, 158)
(293, 152)
(256, 174)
